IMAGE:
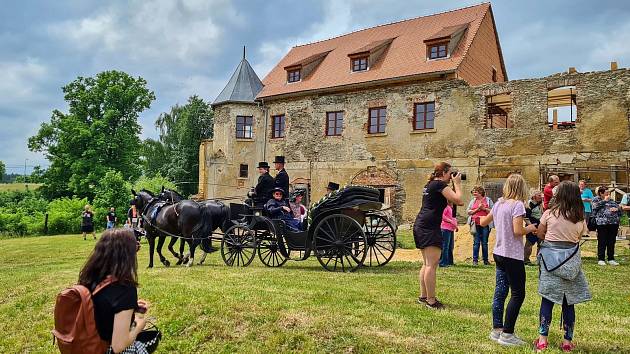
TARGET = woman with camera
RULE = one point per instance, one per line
(427, 233)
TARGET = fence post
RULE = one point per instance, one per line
(46, 224)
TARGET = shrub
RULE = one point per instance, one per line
(64, 215)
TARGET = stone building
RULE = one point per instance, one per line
(380, 106)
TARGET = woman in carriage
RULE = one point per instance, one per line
(278, 208)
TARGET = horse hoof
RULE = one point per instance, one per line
(167, 263)
(179, 262)
(150, 266)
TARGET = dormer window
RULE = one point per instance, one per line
(360, 64)
(438, 50)
(293, 75)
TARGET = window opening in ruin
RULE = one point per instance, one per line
(377, 120)
(424, 116)
(438, 50)
(499, 111)
(494, 75)
(243, 171)
(360, 64)
(244, 127)
(293, 75)
(278, 123)
(562, 108)
(334, 123)
(494, 189)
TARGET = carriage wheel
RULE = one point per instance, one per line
(340, 243)
(381, 240)
(269, 252)
(238, 247)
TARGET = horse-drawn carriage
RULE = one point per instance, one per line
(345, 230)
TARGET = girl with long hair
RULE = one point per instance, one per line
(119, 315)
(561, 228)
(427, 233)
(508, 216)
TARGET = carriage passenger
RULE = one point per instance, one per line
(278, 208)
(262, 192)
(297, 208)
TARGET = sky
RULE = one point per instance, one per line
(192, 47)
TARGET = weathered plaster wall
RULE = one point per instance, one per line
(601, 136)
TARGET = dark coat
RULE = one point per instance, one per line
(263, 188)
(282, 181)
(274, 208)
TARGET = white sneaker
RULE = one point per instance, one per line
(495, 334)
(613, 263)
(601, 263)
(510, 339)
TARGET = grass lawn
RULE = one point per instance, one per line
(5, 187)
(302, 308)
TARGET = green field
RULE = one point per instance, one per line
(302, 308)
(5, 187)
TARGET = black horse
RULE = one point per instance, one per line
(191, 221)
(219, 218)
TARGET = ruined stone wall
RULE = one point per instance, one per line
(601, 135)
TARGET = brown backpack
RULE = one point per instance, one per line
(75, 326)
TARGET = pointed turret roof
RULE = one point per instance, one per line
(243, 86)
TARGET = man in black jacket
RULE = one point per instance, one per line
(282, 178)
(262, 192)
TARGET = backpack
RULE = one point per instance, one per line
(75, 325)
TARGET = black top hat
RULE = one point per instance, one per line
(332, 186)
(277, 189)
(263, 164)
(279, 159)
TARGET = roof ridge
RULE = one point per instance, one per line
(392, 23)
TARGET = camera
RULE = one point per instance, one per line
(455, 172)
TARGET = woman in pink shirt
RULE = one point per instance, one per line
(479, 207)
(448, 226)
(561, 280)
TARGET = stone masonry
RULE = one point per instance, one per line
(400, 160)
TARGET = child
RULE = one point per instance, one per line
(448, 226)
(508, 215)
(561, 228)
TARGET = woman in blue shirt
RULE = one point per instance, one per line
(587, 197)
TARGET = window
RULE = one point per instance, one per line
(424, 116)
(438, 50)
(377, 120)
(244, 127)
(293, 75)
(360, 64)
(334, 123)
(499, 111)
(243, 171)
(562, 108)
(278, 125)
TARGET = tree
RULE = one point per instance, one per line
(176, 154)
(112, 191)
(99, 133)
(3, 170)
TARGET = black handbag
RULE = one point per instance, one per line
(591, 223)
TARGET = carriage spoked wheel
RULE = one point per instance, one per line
(340, 243)
(238, 247)
(269, 251)
(381, 240)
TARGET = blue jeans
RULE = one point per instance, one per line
(568, 318)
(481, 238)
(110, 224)
(448, 242)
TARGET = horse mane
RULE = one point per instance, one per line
(147, 192)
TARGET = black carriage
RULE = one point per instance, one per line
(345, 230)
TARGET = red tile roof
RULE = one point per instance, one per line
(406, 55)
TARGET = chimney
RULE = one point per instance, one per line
(613, 65)
(572, 70)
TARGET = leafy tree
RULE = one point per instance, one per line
(3, 170)
(99, 133)
(154, 184)
(112, 191)
(154, 158)
(176, 154)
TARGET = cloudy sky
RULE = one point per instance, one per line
(191, 47)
